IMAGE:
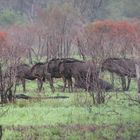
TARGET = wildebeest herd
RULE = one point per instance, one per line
(77, 73)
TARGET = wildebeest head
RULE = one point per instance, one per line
(105, 65)
(102, 84)
(23, 70)
(120, 66)
(112, 64)
(53, 67)
(39, 70)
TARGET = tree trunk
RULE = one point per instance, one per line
(30, 57)
(138, 79)
(112, 79)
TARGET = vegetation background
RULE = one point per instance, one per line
(21, 11)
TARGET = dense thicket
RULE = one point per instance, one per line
(19, 11)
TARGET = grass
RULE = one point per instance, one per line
(73, 118)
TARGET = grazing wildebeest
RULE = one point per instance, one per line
(22, 73)
(54, 68)
(86, 71)
(66, 73)
(39, 71)
(106, 86)
(81, 71)
(123, 67)
(103, 85)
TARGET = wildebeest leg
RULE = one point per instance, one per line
(10, 95)
(51, 84)
(75, 84)
(70, 85)
(15, 87)
(23, 84)
(123, 83)
(17, 81)
(40, 84)
(129, 81)
(64, 80)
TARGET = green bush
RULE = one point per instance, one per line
(10, 17)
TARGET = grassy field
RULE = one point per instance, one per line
(73, 118)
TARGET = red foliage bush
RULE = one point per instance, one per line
(109, 38)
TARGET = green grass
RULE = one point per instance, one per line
(73, 118)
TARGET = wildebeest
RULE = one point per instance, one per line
(23, 72)
(39, 71)
(66, 72)
(56, 70)
(82, 72)
(123, 67)
(103, 85)
(86, 71)
(106, 86)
